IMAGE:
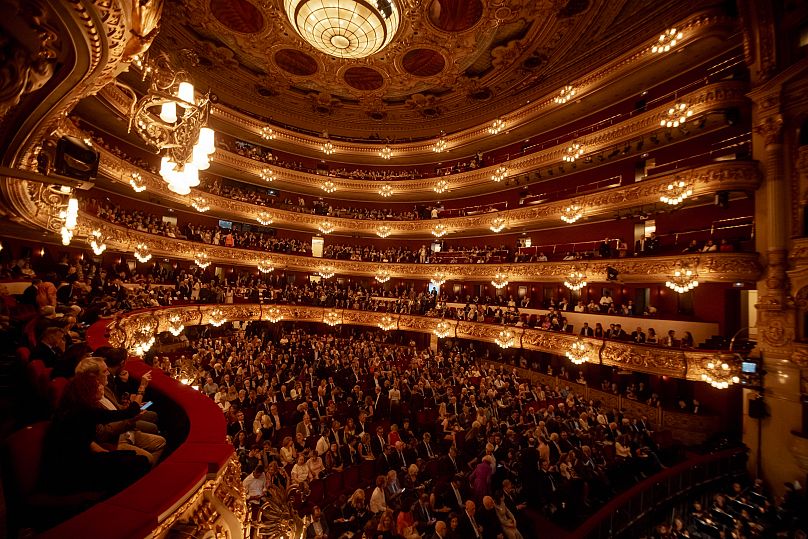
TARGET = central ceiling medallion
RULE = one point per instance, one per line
(344, 28)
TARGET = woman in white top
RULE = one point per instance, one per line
(378, 503)
(288, 452)
(315, 465)
(301, 474)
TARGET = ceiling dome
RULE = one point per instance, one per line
(344, 28)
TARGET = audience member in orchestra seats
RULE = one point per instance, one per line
(318, 527)
(726, 247)
(441, 531)
(469, 525)
(481, 477)
(51, 347)
(687, 340)
(709, 247)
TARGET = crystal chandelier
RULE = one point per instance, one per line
(266, 266)
(142, 346)
(440, 145)
(497, 224)
(382, 276)
(328, 148)
(96, 241)
(137, 183)
(500, 280)
(573, 152)
(175, 325)
(441, 187)
(565, 94)
(143, 335)
(506, 338)
(344, 28)
(274, 315)
(387, 322)
(438, 279)
(171, 119)
(199, 204)
(579, 351)
(142, 253)
(264, 218)
(442, 329)
(383, 231)
(332, 318)
(719, 373)
(326, 272)
(328, 186)
(497, 126)
(386, 153)
(677, 115)
(572, 213)
(267, 133)
(266, 174)
(666, 41)
(217, 318)
(440, 230)
(386, 190)
(575, 280)
(69, 215)
(683, 280)
(201, 260)
(500, 173)
(676, 192)
(326, 227)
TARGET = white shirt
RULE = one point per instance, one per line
(377, 501)
(255, 486)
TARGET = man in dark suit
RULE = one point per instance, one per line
(377, 441)
(468, 526)
(425, 448)
(238, 425)
(440, 530)
(488, 520)
(423, 513)
(587, 331)
(318, 528)
(51, 347)
(638, 336)
(453, 495)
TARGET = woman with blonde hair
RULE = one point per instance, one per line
(288, 453)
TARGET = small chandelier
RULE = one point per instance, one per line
(442, 329)
(572, 213)
(677, 115)
(326, 227)
(328, 186)
(497, 224)
(328, 148)
(387, 322)
(382, 276)
(565, 94)
(383, 231)
(440, 230)
(142, 253)
(496, 126)
(575, 280)
(96, 241)
(69, 216)
(265, 266)
(386, 153)
(217, 318)
(175, 325)
(500, 280)
(573, 152)
(440, 145)
(676, 192)
(332, 318)
(267, 133)
(386, 190)
(441, 187)
(438, 279)
(326, 272)
(137, 183)
(264, 218)
(266, 174)
(200, 204)
(579, 352)
(506, 338)
(683, 280)
(719, 374)
(274, 315)
(201, 260)
(500, 173)
(141, 347)
(667, 41)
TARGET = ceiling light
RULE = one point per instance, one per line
(579, 351)
(677, 115)
(137, 183)
(266, 266)
(497, 126)
(326, 272)
(267, 133)
(96, 241)
(500, 173)
(386, 153)
(506, 338)
(382, 276)
(326, 227)
(572, 213)
(175, 325)
(201, 260)
(332, 318)
(274, 315)
(200, 204)
(142, 253)
(676, 192)
(575, 280)
(441, 187)
(266, 174)
(719, 374)
(500, 280)
(498, 224)
(387, 322)
(666, 41)
(216, 318)
(264, 218)
(438, 279)
(383, 231)
(328, 148)
(328, 186)
(565, 94)
(386, 190)
(440, 145)
(442, 329)
(573, 152)
(439, 230)
(683, 280)
(69, 216)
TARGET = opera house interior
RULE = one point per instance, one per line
(439, 269)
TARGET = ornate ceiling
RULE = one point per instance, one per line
(453, 63)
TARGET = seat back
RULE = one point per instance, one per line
(21, 460)
(55, 391)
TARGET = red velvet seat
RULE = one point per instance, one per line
(350, 478)
(367, 472)
(55, 390)
(316, 493)
(23, 354)
(333, 486)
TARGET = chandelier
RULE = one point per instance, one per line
(386, 153)
(676, 192)
(565, 94)
(332, 318)
(217, 318)
(386, 190)
(143, 336)
(677, 115)
(667, 41)
(142, 346)
(344, 28)
(500, 173)
(505, 338)
(442, 329)
(438, 279)
(572, 213)
(683, 280)
(264, 218)
(328, 186)
(265, 266)
(441, 187)
(579, 351)
(266, 174)
(497, 224)
(69, 215)
(328, 148)
(719, 373)
(573, 152)
(267, 133)
(201, 260)
(96, 241)
(440, 230)
(171, 119)
(500, 280)
(137, 183)
(440, 145)
(142, 253)
(175, 325)
(383, 231)
(575, 280)
(326, 227)
(199, 204)
(326, 272)
(382, 276)
(497, 126)
(274, 315)
(387, 322)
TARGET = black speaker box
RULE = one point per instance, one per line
(757, 409)
(76, 159)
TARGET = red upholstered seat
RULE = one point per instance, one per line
(350, 478)
(316, 492)
(333, 486)
(23, 354)
(367, 472)
(55, 391)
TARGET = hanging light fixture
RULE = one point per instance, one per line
(573, 152)
(266, 266)
(137, 183)
(505, 338)
(500, 280)
(440, 230)
(442, 329)
(326, 227)
(328, 186)
(667, 40)
(683, 280)
(719, 373)
(565, 94)
(142, 253)
(498, 224)
(175, 325)
(332, 318)
(69, 216)
(266, 174)
(386, 190)
(141, 347)
(497, 126)
(267, 133)
(383, 231)
(579, 351)
(96, 241)
(326, 272)
(575, 280)
(274, 315)
(387, 322)
(572, 213)
(264, 218)
(382, 276)
(676, 192)
(328, 148)
(201, 260)
(441, 187)
(217, 318)
(500, 173)
(200, 204)
(386, 153)
(438, 279)
(676, 115)
(440, 145)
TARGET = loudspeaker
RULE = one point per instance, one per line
(76, 159)
(722, 199)
(757, 409)
(611, 274)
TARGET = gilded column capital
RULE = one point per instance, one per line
(771, 129)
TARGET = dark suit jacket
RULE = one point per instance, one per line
(466, 528)
(487, 518)
(310, 534)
